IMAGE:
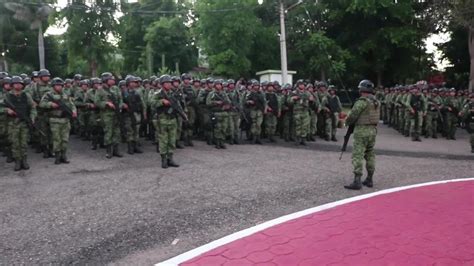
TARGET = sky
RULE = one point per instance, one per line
(430, 42)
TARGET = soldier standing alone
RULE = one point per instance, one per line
(364, 116)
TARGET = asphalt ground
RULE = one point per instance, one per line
(130, 211)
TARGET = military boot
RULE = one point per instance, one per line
(222, 145)
(94, 143)
(164, 161)
(64, 158)
(157, 148)
(108, 154)
(130, 148)
(171, 162)
(236, 140)
(333, 138)
(272, 139)
(368, 181)
(356, 185)
(302, 141)
(257, 140)
(24, 164)
(9, 156)
(136, 148)
(58, 157)
(178, 145)
(17, 165)
(46, 153)
(38, 148)
(116, 151)
(217, 146)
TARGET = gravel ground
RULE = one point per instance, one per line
(130, 211)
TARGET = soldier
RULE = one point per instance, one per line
(321, 123)
(179, 95)
(7, 149)
(191, 94)
(451, 107)
(256, 104)
(416, 108)
(273, 112)
(22, 112)
(287, 113)
(364, 116)
(314, 109)
(236, 112)
(166, 117)
(332, 107)
(467, 114)
(3, 115)
(95, 128)
(134, 110)
(432, 116)
(219, 104)
(81, 105)
(41, 88)
(299, 100)
(62, 110)
(205, 121)
(109, 100)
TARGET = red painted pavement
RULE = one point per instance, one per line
(430, 225)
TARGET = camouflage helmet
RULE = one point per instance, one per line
(366, 86)
(218, 81)
(175, 78)
(84, 82)
(210, 80)
(146, 81)
(309, 86)
(332, 88)
(77, 77)
(264, 83)
(106, 76)
(300, 81)
(34, 74)
(68, 81)
(321, 84)
(435, 90)
(6, 80)
(3, 75)
(16, 79)
(96, 81)
(122, 83)
(57, 81)
(129, 79)
(165, 78)
(44, 73)
(452, 90)
(276, 83)
(287, 86)
(196, 80)
(203, 81)
(27, 81)
(254, 82)
(23, 75)
(152, 78)
(185, 76)
(231, 81)
(225, 84)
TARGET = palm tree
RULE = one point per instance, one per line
(34, 17)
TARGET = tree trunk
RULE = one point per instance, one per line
(323, 75)
(41, 47)
(471, 54)
(93, 68)
(379, 78)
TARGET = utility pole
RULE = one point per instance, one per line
(284, 60)
(284, 63)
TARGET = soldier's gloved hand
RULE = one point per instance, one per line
(412, 111)
(74, 114)
(10, 112)
(125, 106)
(54, 105)
(110, 105)
(165, 102)
(269, 109)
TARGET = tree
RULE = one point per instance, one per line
(457, 52)
(170, 37)
(35, 15)
(89, 31)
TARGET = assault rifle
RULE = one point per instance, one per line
(62, 106)
(23, 116)
(349, 132)
(174, 104)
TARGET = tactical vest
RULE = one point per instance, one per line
(134, 101)
(272, 102)
(20, 103)
(168, 110)
(333, 104)
(204, 94)
(371, 114)
(217, 97)
(415, 102)
(258, 99)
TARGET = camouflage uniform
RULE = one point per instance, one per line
(59, 122)
(415, 105)
(272, 114)
(299, 100)
(432, 116)
(43, 118)
(95, 126)
(132, 116)
(256, 104)
(365, 115)
(111, 118)
(219, 104)
(191, 96)
(234, 115)
(451, 107)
